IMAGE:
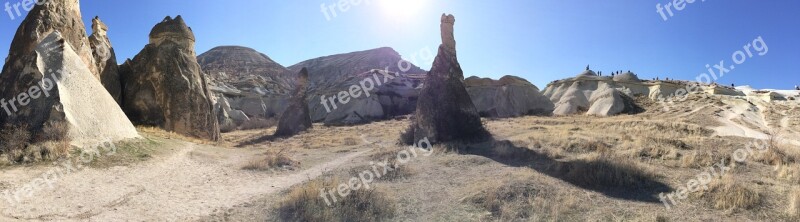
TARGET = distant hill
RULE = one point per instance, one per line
(244, 69)
(328, 70)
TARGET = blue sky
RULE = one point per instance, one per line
(540, 40)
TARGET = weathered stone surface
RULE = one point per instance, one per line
(164, 86)
(68, 93)
(63, 16)
(396, 94)
(510, 96)
(296, 118)
(105, 59)
(49, 46)
(445, 112)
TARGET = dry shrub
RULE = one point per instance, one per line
(513, 201)
(727, 194)
(304, 203)
(14, 140)
(273, 160)
(350, 141)
(258, 123)
(794, 202)
(396, 170)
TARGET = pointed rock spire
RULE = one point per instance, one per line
(445, 113)
(105, 59)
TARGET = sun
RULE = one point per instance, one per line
(401, 9)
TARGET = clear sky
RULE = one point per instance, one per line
(540, 40)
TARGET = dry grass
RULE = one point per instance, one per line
(273, 160)
(728, 194)
(158, 132)
(20, 146)
(794, 202)
(512, 201)
(258, 123)
(350, 141)
(605, 173)
(304, 203)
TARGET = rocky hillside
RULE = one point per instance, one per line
(237, 67)
(510, 96)
(391, 94)
(326, 72)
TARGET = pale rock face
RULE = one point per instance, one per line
(510, 96)
(606, 101)
(105, 59)
(77, 98)
(52, 39)
(165, 87)
(448, 37)
(63, 16)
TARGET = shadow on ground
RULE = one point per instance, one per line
(606, 176)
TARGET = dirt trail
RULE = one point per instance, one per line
(187, 185)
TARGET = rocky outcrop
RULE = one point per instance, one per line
(50, 78)
(105, 59)
(164, 86)
(63, 16)
(254, 85)
(393, 85)
(510, 96)
(296, 118)
(445, 112)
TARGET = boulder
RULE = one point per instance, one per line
(445, 113)
(296, 118)
(105, 59)
(510, 96)
(164, 86)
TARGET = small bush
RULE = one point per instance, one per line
(305, 203)
(14, 140)
(273, 160)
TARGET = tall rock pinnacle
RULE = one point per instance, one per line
(105, 59)
(165, 87)
(445, 113)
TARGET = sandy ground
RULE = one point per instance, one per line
(191, 182)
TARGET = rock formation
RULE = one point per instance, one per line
(391, 96)
(164, 86)
(296, 117)
(50, 78)
(510, 96)
(63, 16)
(250, 82)
(105, 59)
(445, 112)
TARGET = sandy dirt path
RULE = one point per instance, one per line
(186, 185)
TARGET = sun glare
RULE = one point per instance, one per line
(401, 9)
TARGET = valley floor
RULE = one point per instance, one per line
(171, 179)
